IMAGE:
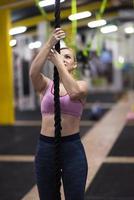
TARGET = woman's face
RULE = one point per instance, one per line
(68, 59)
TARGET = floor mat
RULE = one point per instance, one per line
(22, 140)
(94, 115)
(112, 182)
(84, 130)
(110, 97)
(28, 115)
(124, 145)
(18, 139)
(35, 115)
(16, 179)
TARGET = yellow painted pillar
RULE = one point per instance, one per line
(6, 71)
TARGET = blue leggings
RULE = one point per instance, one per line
(73, 164)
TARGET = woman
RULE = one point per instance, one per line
(72, 97)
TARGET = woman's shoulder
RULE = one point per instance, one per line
(83, 83)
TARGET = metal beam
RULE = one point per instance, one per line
(6, 2)
(64, 14)
(14, 4)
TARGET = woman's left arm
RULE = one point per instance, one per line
(75, 89)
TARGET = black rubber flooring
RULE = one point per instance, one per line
(36, 115)
(105, 97)
(22, 140)
(112, 182)
(18, 139)
(124, 145)
(16, 179)
(28, 115)
(89, 115)
(84, 130)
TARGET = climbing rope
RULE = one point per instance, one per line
(57, 116)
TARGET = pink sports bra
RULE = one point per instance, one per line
(68, 106)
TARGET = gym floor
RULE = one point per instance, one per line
(108, 144)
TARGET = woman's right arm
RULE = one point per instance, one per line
(38, 79)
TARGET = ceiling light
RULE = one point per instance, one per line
(80, 15)
(121, 59)
(34, 45)
(97, 23)
(48, 3)
(12, 43)
(129, 29)
(109, 29)
(17, 30)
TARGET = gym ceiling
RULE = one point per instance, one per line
(26, 13)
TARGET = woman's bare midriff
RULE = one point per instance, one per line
(70, 125)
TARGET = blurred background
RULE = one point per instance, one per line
(102, 34)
